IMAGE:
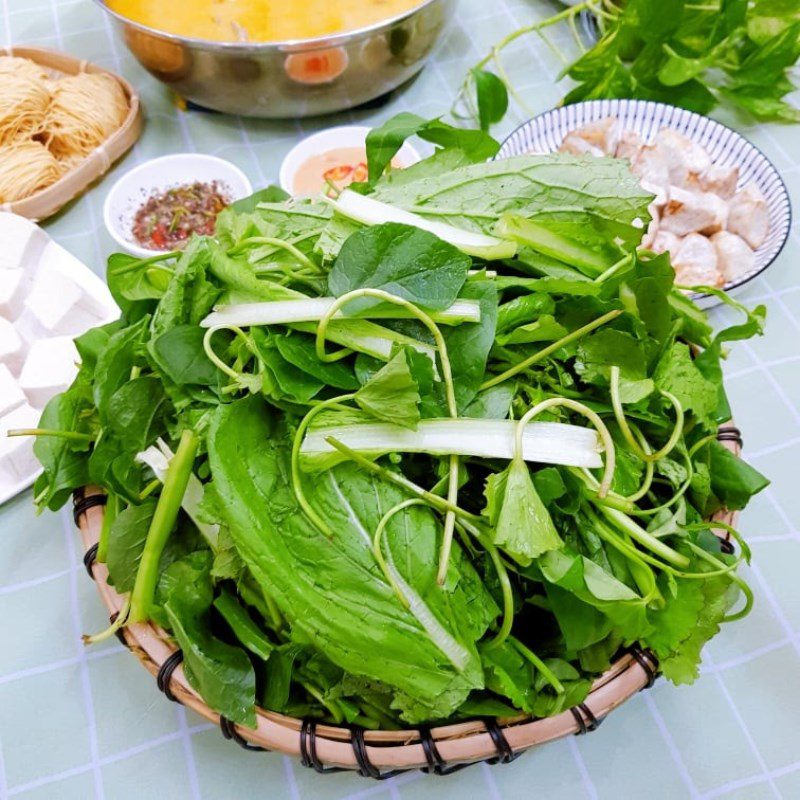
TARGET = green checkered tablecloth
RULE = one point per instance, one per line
(80, 723)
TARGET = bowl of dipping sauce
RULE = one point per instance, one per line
(328, 161)
(156, 207)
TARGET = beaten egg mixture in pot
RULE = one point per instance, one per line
(260, 20)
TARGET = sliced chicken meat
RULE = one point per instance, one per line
(709, 229)
(695, 262)
(682, 155)
(749, 217)
(661, 194)
(629, 145)
(652, 228)
(720, 180)
(651, 168)
(604, 135)
(666, 242)
(575, 144)
(734, 256)
(689, 212)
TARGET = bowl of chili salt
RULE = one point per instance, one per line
(156, 207)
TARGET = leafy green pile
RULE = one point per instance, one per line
(694, 55)
(324, 474)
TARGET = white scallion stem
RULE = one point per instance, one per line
(542, 442)
(313, 309)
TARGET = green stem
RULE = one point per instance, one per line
(541, 25)
(614, 268)
(624, 523)
(649, 470)
(297, 481)
(550, 349)
(119, 622)
(377, 545)
(623, 544)
(537, 662)
(506, 591)
(742, 584)
(164, 519)
(619, 414)
(503, 75)
(143, 262)
(72, 436)
(628, 504)
(149, 489)
(592, 416)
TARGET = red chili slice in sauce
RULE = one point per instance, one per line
(166, 220)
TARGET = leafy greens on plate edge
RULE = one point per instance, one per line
(304, 568)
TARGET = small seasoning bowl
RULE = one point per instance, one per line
(319, 145)
(158, 175)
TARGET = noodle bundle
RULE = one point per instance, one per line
(23, 105)
(23, 66)
(84, 111)
(26, 167)
(48, 126)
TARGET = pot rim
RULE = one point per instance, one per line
(286, 45)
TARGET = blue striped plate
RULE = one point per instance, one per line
(544, 134)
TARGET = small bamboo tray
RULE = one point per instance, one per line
(48, 201)
(376, 754)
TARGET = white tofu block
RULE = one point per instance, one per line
(14, 286)
(50, 368)
(53, 300)
(58, 304)
(11, 395)
(17, 461)
(12, 349)
(21, 242)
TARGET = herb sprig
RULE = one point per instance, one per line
(692, 54)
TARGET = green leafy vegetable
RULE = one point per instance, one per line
(392, 394)
(521, 522)
(465, 503)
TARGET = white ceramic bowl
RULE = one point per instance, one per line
(330, 139)
(159, 174)
(544, 134)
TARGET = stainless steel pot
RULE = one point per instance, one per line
(265, 79)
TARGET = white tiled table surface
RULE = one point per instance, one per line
(78, 723)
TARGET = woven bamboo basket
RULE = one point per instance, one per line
(51, 199)
(377, 754)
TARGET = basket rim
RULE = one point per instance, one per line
(377, 753)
